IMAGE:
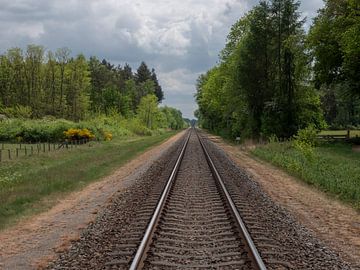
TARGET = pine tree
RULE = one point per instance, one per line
(158, 90)
(142, 74)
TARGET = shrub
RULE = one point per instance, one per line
(305, 141)
(138, 128)
(22, 112)
(76, 134)
(107, 136)
(307, 136)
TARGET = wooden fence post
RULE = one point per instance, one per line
(9, 153)
(0, 155)
(32, 150)
(17, 152)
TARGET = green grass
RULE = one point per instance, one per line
(33, 184)
(353, 133)
(333, 168)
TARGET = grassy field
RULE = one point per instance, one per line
(333, 168)
(353, 133)
(32, 184)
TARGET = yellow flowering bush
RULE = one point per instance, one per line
(107, 136)
(78, 134)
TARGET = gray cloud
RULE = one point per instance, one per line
(180, 38)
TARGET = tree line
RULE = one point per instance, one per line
(274, 78)
(56, 84)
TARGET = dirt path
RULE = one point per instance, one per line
(336, 224)
(31, 244)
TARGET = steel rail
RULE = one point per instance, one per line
(144, 245)
(253, 250)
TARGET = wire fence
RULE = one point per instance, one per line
(11, 151)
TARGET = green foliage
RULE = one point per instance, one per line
(334, 43)
(18, 111)
(93, 95)
(33, 130)
(307, 136)
(148, 111)
(333, 168)
(136, 126)
(70, 87)
(172, 118)
(261, 86)
(53, 130)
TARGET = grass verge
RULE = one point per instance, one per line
(353, 133)
(333, 168)
(33, 184)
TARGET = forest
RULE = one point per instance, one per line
(39, 88)
(274, 77)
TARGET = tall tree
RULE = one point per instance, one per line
(157, 87)
(62, 56)
(261, 86)
(77, 88)
(50, 84)
(148, 110)
(256, 59)
(142, 73)
(333, 40)
(33, 76)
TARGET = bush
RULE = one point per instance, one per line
(34, 130)
(76, 134)
(49, 130)
(107, 136)
(307, 136)
(138, 128)
(22, 112)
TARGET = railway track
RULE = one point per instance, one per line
(195, 224)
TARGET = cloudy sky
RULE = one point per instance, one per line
(179, 38)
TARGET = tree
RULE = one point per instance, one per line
(157, 87)
(143, 89)
(142, 74)
(127, 72)
(333, 40)
(50, 84)
(255, 58)
(77, 88)
(62, 56)
(261, 85)
(33, 77)
(47, 83)
(148, 111)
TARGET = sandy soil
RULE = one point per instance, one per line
(31, 244)
(336, 224)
